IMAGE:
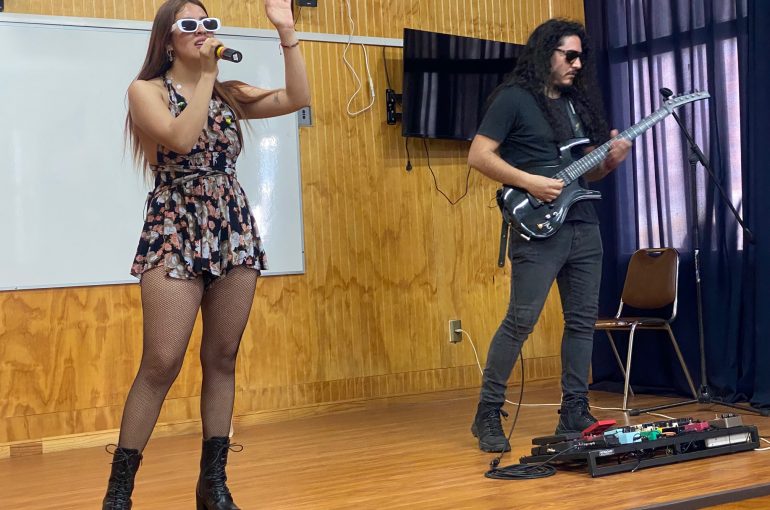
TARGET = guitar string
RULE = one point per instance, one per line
(573, 171)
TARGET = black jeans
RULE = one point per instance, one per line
(572, 256)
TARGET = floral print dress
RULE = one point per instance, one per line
(198, 220)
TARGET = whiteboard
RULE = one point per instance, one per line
(73, 201)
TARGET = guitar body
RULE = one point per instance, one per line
(532, 218)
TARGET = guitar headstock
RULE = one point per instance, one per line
(677, 101)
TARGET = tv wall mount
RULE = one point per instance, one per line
(391, 99)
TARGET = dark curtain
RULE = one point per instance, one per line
(717, 46)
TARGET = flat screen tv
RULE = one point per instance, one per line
(447, 80)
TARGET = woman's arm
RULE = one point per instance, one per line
(259, 103)
(149, 107)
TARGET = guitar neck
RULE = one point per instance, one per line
(574, 170)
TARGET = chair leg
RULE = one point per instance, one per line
(628, 365)
(681, 361)
(617, 358)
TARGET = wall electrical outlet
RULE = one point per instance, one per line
(454, 331)
(305, 116)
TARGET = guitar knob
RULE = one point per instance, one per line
(548, 216)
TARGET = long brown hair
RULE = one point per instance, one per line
(156, 64)
(533, 72)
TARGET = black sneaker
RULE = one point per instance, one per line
(487, 427)
(574, 416)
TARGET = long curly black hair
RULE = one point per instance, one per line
(533, 72)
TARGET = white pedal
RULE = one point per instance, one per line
(743, 437)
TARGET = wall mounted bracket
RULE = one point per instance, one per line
(391, 99)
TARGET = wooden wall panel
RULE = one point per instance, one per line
(505, 20)
(389, 260)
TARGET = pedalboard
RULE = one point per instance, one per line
(606, 449)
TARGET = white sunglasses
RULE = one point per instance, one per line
(189, 25)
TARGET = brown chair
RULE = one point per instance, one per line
(651, 284)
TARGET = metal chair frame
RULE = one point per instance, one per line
(632, 324)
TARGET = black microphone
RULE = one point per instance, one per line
(228, 54)
(666, 93)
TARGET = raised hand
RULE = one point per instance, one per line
(279, 13)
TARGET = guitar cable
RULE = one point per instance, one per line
(519, 471)
(408, 156)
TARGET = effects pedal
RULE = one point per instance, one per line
(544, 440)
(598, 428)
(726, 421)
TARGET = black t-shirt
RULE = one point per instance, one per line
(526, 138)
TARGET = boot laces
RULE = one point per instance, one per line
(215, 472)
(583, 408)
(120, 486)
(580, 407)
(492, 420)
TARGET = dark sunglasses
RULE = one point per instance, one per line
(190, 25)
(570, 55)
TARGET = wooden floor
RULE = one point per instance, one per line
(414, 452)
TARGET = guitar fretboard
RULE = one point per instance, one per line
(574, 170)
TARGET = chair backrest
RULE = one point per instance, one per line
(651, 279)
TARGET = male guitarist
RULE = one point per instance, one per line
(550, 97)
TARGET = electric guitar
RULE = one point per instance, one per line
(531, 217)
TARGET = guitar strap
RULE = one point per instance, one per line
(505, 229)
(574, 121)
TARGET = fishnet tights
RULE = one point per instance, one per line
(169, 308)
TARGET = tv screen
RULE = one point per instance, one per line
(447, 80)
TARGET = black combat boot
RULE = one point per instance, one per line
(487, 427)
(125, 464)
(574, 416)
(212, 492)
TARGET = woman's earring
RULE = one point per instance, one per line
(170, 54)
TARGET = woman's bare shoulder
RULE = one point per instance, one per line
(153, 86)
